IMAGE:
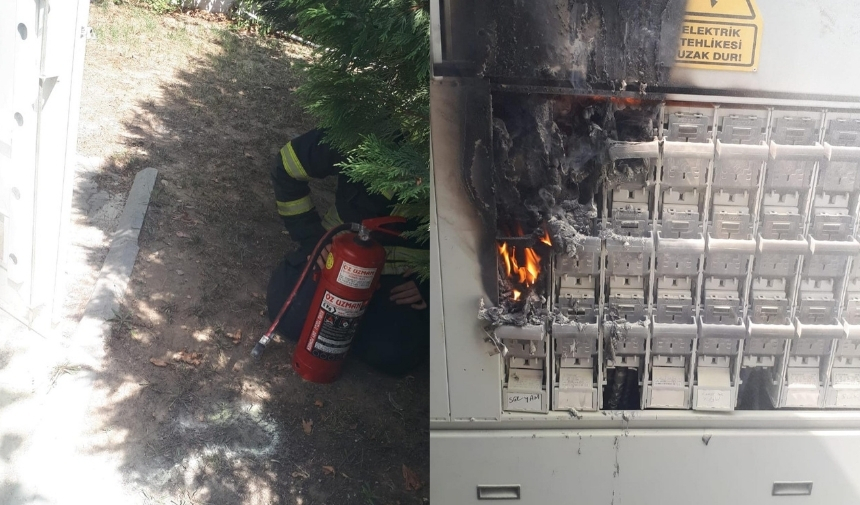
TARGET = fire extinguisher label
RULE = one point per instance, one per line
(355, 276)
(335, 326)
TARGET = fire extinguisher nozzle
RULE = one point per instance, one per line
(257, 352)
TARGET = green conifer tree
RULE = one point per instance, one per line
(368, 85)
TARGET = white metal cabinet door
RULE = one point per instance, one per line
(41, 57)
(439, 407)
(645, 467)
(474, 380)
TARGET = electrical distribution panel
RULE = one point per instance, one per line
(724, 279)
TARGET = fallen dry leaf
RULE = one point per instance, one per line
(413, 483)
(328, 470)
(191, 358)
(182, 234)
(318, 403)
(235, 337)
(308, 426)
(157, 362)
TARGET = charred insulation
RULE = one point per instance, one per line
(550, 162)
(551, 156)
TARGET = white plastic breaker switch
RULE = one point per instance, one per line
(780, 215)
(852, 304)
(802, 385)
(687, 149)
(525, 368)
(679, 257)
(731, 216)
(769, 303)
(625, 343)
(576, 297)
(524, 392)
(830, 266)
(576, 353)
(851, 315)
(740, 152)
(768, 322)
(629, 256)
(831, 219)
(809, 356)
(630, 214)
(713, 390)
(717, 352)
(722, 301)
(575, 345)
(584, 261)
(680, 214)
(793, 154)
(526, 345)
(842, 150)
(671, 351)
(627, 297)
(817, 302)
(778, 258)
(674, 300)
(669, 387)
(764, 351)
(843, 389)
(728, 257)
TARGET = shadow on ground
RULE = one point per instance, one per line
(223, 430)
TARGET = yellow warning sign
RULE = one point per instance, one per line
(720, 35)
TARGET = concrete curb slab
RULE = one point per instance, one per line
(116, 271)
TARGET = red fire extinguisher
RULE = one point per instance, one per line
(346, 285)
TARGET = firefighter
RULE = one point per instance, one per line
(394, 333)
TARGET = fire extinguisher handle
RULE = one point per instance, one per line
(378, 223)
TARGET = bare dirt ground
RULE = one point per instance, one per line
(209, 108)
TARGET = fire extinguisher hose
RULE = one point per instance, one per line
(264, 341)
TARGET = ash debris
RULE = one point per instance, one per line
(550, 162)
(503, 315)
(551, 156)
(569, 223)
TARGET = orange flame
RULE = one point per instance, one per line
(532, 267)
(503, 250)
(545, 239)
(525, 274)
(628, 101)
(521, 267)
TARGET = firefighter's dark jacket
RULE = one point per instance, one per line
(309, 157)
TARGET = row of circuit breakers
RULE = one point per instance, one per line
(736, 255)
